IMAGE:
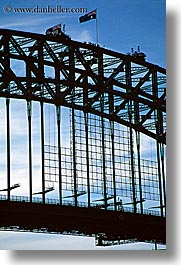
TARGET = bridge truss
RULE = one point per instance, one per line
(116, 102)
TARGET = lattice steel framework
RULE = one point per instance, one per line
(111, 176)
(105, 90)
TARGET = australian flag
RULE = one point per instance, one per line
(88, 16)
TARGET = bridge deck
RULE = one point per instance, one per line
(57, 218)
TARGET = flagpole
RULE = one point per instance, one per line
(97, 37)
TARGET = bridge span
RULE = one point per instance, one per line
(93, 132)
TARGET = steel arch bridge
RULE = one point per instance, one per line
(116, 103)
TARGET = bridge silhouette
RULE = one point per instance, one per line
(99, 174)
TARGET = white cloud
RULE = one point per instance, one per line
(85, 35)
(28, 22)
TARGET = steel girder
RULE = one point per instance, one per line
(84, 76)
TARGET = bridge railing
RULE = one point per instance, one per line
(17, 198)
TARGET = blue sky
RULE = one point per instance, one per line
(122, 24)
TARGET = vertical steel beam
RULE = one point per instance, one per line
(137, 118)
(74, 156)
(7, 71)
(111, 111)
(101, 85)
(139, 170)
(59, 154)
(133, 170)
(163, 172)
(8, 148)
(58, 108)
(29, 113)
(41, 76)
(42, 151)
(129, 84)
(161, 146)
(103, 156)
(86, 121)
(159, 177)
(72, 81)
(157, 125)
(87, 156)
(113, 163)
